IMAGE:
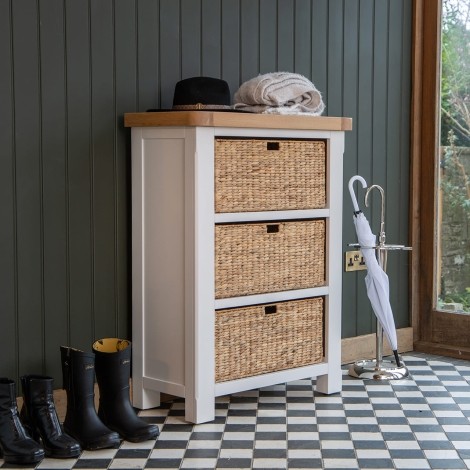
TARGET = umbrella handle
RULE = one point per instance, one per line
(382, 212)
(351, 190)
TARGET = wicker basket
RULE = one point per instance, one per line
(265, 175)
(266, 338)
(255, 258)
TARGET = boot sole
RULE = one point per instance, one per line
(97, 444)
(22, 460)
(101, 444)
(140, 439)
(69, 455)
(145, 437)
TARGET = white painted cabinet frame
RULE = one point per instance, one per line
(173, 303)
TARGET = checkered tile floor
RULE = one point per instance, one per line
(418, 423)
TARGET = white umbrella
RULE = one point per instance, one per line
(377, 283)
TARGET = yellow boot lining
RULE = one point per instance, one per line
(111, 345)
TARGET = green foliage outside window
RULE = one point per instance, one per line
(455, 156)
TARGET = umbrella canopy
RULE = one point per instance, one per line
(377, 283)
(376, 279)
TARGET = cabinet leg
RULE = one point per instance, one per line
(329, 383)
(199, 410)
(144, 399)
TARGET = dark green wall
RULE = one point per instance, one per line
(71, 68)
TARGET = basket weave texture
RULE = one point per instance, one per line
(250, 342)
(253, 259)
(250, 177)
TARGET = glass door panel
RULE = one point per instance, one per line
(453, 221)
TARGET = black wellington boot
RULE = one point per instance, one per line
(15, 445)
(39, 417)
(81, 420)
(113, 369)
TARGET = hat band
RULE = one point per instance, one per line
(201, 106)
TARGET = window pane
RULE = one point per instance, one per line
(453, 290)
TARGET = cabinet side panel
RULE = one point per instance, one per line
(163, 259)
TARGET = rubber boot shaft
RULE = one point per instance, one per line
(16, 446)
(39, 417)
(81, 420)
(113, 369)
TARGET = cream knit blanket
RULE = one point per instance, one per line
(279, 93)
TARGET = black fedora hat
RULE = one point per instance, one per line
(198, 93)
(201, 94)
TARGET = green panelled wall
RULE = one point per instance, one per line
(69, 71)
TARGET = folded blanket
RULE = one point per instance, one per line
(279, 93)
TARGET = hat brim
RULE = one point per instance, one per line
(204, 110)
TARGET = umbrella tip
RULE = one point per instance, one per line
(397, 359)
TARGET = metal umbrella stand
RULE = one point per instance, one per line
(375, 256)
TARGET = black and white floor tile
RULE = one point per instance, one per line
(418, 423)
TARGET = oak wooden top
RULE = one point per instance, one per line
(233, 119)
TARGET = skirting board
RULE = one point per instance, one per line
(352, 349)
(60, 402)
(363, 347)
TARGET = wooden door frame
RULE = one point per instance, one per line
(435, 332)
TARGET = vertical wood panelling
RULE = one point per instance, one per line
(302, 38)
(379, 109)
(148, 45)
(404, 280)
(54, 187)
(190, 46)
(211, 38)
(268, 57)
(169, 51)
(125, 35)
(365, 319)
(365, 87)
(335, 58)
(285, 35)
(249, 25)
(231, 43)
(79, 176)
(72, 68)
(395, 33)
(397, 213)
(28, 184)
(103, 166)
(350, 80)
(379, 114)
(319, 72)
(8, 269)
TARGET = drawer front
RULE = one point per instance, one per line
(254, 175)
(267, 338)
(255, 258)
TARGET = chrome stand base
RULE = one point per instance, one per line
(385, 370)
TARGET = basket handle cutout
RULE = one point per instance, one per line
(270, 309)
(272, 228)
(272, 145)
